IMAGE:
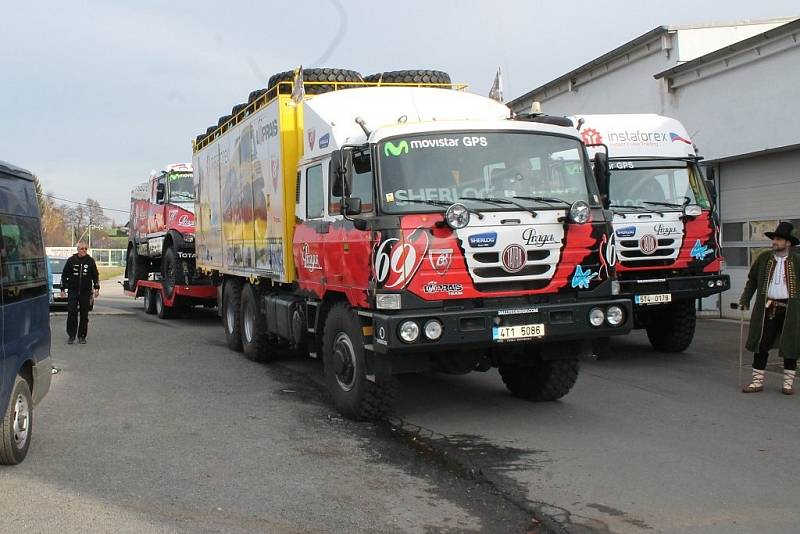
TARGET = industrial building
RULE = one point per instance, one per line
(736, 88)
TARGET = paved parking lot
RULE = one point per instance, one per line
(156, 427)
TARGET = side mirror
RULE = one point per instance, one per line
(362, 163)
(712, 190)
(601, 175)
(338, 172)
(161, 190)
(351, 206)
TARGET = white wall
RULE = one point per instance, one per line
(695, 42)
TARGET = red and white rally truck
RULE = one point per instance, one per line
(398, 227)
(160, 257)
(665, 226)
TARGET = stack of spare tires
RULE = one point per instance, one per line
(332, 77)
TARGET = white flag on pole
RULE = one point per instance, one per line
(496, 92)
(298, 90)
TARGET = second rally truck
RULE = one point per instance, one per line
(397, 227)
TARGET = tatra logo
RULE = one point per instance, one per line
(436, 287)
(513, 258)
(440, 259)
(485, 240)
(185, 220)
(663, 229)
(312, 136)
(531, 238)
(390, 149)
(310, 260)
(628, 231)
(648, 244)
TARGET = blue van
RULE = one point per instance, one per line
(25, 368)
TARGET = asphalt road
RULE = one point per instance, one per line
(134, 437)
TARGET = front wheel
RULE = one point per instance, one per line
(16, 425)
(169, 271)
(541, 380)
(345, 368)
(672, 328)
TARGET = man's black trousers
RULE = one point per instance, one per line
(772, 328)
(77, 303)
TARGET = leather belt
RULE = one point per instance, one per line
(780, 303)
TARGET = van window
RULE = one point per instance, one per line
(18, 196)
(22, 261)
(315, 192)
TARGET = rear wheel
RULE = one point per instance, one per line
(255, 342)
(542, 380)
(149, 301)
(345, 368)
(163, 311)
(135, 269)
(671, 329)
(231, 313)
(16, 425)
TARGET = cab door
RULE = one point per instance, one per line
(313, 228)
(155, 217)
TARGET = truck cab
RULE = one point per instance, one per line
(161, 237)
(666, 228)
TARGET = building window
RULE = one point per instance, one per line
(744, 241)
(735, 256)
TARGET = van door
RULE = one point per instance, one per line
(312, 228)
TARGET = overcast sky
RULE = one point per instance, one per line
(96, 93)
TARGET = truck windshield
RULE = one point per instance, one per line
(181, 187)
(446, 167)
(656, 184)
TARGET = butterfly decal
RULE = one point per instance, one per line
(582, 278)
(700, 251)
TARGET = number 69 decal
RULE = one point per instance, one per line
(396, 263)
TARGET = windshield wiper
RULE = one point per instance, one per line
(442, 203)
(632, 206)
(665, 204)
(501, 201)
(545, 200)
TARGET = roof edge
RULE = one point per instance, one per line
(13, 170)
(735, 47)
(633, 43)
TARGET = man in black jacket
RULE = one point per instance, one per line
(81, 278)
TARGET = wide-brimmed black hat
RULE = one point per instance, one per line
(784, 230)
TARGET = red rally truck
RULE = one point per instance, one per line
(666, 229)
(160, 264)
(394, 227)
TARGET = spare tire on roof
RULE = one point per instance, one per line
(255, 94)
(200, 138)
(222, 120)
(210, 129)
(237, 108)
(313, 75)
(410, 76)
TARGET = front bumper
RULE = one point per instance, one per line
(470, 329)
(679, 287)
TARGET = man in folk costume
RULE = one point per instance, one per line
(775, 280)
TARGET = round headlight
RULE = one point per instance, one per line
(579, 212)
(433, 329)
(457, 216)
(693, 210)
(720, 283)
(409, 331)
(596, 316)
(615, 316)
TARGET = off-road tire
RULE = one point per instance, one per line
(232, 314)
(169, 271)
(163, 311)
(410, 76)
(222, 120)
(135, 269)
(365, 400)
(672, 328)
(10, 452)
(199, 138)
(313, 75)
(210, 129)
(237, 108)
(149, 299)
(544, 380)
(255, 341)
(255, 94)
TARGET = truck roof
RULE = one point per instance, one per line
(13, 170)
(333, 114)
(637, 135)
